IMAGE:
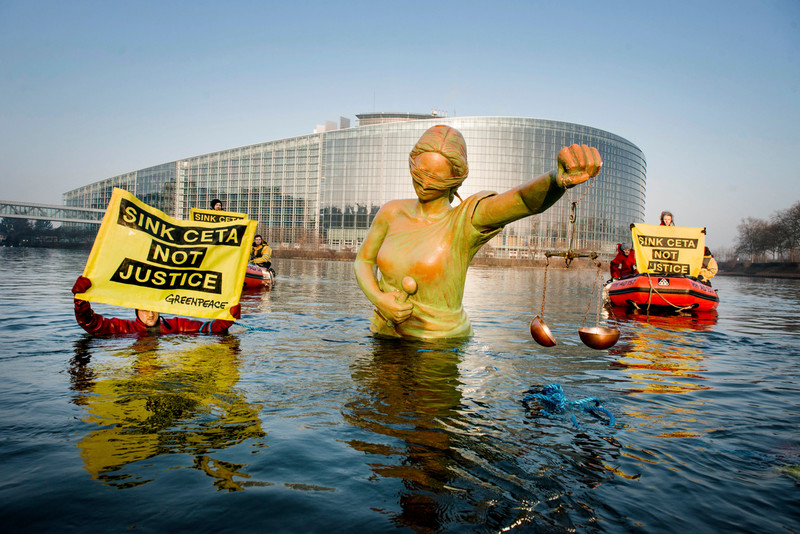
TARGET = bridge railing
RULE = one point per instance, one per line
(50, 212)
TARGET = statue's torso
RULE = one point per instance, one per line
(436, 254)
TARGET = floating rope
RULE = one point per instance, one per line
(555, 403)
(253, 327)
(454, 349)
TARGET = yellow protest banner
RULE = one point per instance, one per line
(215, 216)
(145, 259)
(668, 250)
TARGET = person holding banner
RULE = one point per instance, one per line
(666, 219)
(146, 322)
(216, 205)
(143, 258)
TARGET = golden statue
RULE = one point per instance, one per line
(422, 247)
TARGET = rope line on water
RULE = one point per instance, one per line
(258, 328)
(555, 403)
(657, 292)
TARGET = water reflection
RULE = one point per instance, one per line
(469, 458)
(477, 465)
(660, 353)
(409, 395)
(156, 398)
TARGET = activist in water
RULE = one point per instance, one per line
(146, 322)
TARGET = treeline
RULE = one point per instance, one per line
(776, 239)
(37, 233)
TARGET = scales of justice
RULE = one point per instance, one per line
(596, 337)
(413, 262)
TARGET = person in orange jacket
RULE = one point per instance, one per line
(709, 269)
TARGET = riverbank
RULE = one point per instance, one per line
(726, 268)
(482, 260)
(764, 270)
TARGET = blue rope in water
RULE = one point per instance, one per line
(555, 402)
(253, 327)
(454, 349)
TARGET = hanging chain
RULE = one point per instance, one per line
(544, 287)
(591, 183)
(598, 283)
(591, 298)
(572, 219)
(573, 206)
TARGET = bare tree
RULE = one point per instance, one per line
(788, 227)
(752, 240)
(779, 238)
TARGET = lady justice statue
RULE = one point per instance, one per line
(422, 247)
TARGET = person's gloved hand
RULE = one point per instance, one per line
(236, 312)
(82, 285)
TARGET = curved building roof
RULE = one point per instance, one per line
(324, 189)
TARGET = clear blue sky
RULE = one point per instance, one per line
(710, 91)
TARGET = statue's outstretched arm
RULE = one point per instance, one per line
(576, 164)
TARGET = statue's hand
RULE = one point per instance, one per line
(576, 164)
(392, 309)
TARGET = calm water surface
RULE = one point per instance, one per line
(309, 424)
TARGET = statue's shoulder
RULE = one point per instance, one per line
(397, 207)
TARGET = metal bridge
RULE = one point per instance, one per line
(49, 212)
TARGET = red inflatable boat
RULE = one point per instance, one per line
(258, 277)
(662, 292)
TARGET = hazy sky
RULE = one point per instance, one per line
(710, 91)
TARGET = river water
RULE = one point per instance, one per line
(302, 422)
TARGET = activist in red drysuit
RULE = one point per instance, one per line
(147, 322)
(624, 263)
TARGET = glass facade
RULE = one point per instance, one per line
(324, 189)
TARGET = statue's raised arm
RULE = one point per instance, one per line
(576, 164)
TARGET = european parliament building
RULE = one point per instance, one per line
(322, 190)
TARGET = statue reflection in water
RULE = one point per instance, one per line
(408, 396)
(161, 403)
(425, 434)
